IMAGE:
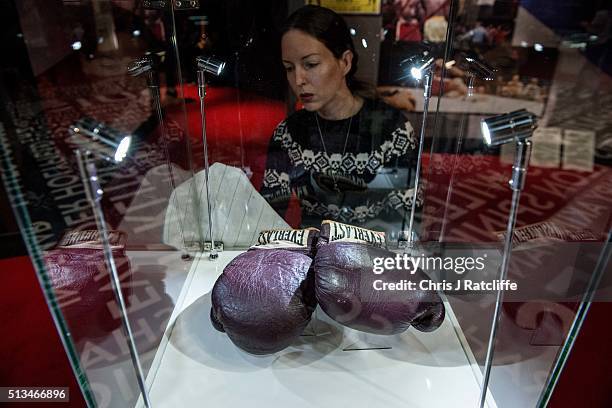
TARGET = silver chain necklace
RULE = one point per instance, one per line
(333, 172)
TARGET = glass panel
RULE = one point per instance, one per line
(102, 78)
(555, 67)
(263, 126)
(357, 168)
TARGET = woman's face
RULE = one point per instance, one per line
(315, 75)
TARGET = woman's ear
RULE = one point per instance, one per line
(346, 59)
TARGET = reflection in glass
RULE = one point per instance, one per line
(97, 137)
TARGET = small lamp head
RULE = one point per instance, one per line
(140, 66)
(513, 126)
(210, 65)
(418, 65)
(477, 67)
(96, 137)
(421, 66)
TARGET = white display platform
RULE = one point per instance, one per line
(198, 366)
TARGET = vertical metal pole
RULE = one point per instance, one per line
(449, 192)
(242, 149)
(519, 172)
(181, 93)
(585, 304)
(154, 88)
(448, 50)
(202, 93)
(94, 193)
(417, 177)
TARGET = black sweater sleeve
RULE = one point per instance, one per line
(276, 187)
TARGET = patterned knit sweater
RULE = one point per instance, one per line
(368, 182)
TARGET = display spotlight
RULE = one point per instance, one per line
(147, 66)
(210, 65)
(517, 127)
(477, 67)
(96, 137)
(86, 162)
(421, 67)
(513, 126)
(207, 65)
(418, 65)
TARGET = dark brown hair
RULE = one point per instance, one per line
(328, 27)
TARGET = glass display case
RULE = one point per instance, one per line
(312, 203)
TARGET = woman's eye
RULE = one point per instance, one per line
(310, 65)
(288, 69)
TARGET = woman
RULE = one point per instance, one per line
(343, 156)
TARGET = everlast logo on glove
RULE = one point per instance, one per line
(344, 284)
(90, 239)
(289, 238)
(265, 297)
(339, 232)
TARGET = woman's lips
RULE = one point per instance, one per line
(306, 97)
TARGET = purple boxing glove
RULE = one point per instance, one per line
(349, 291)
(78, 274)
(264, 298)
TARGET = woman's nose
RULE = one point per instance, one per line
(300, 76)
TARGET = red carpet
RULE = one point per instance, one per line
(239, 126)
(31, 352)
